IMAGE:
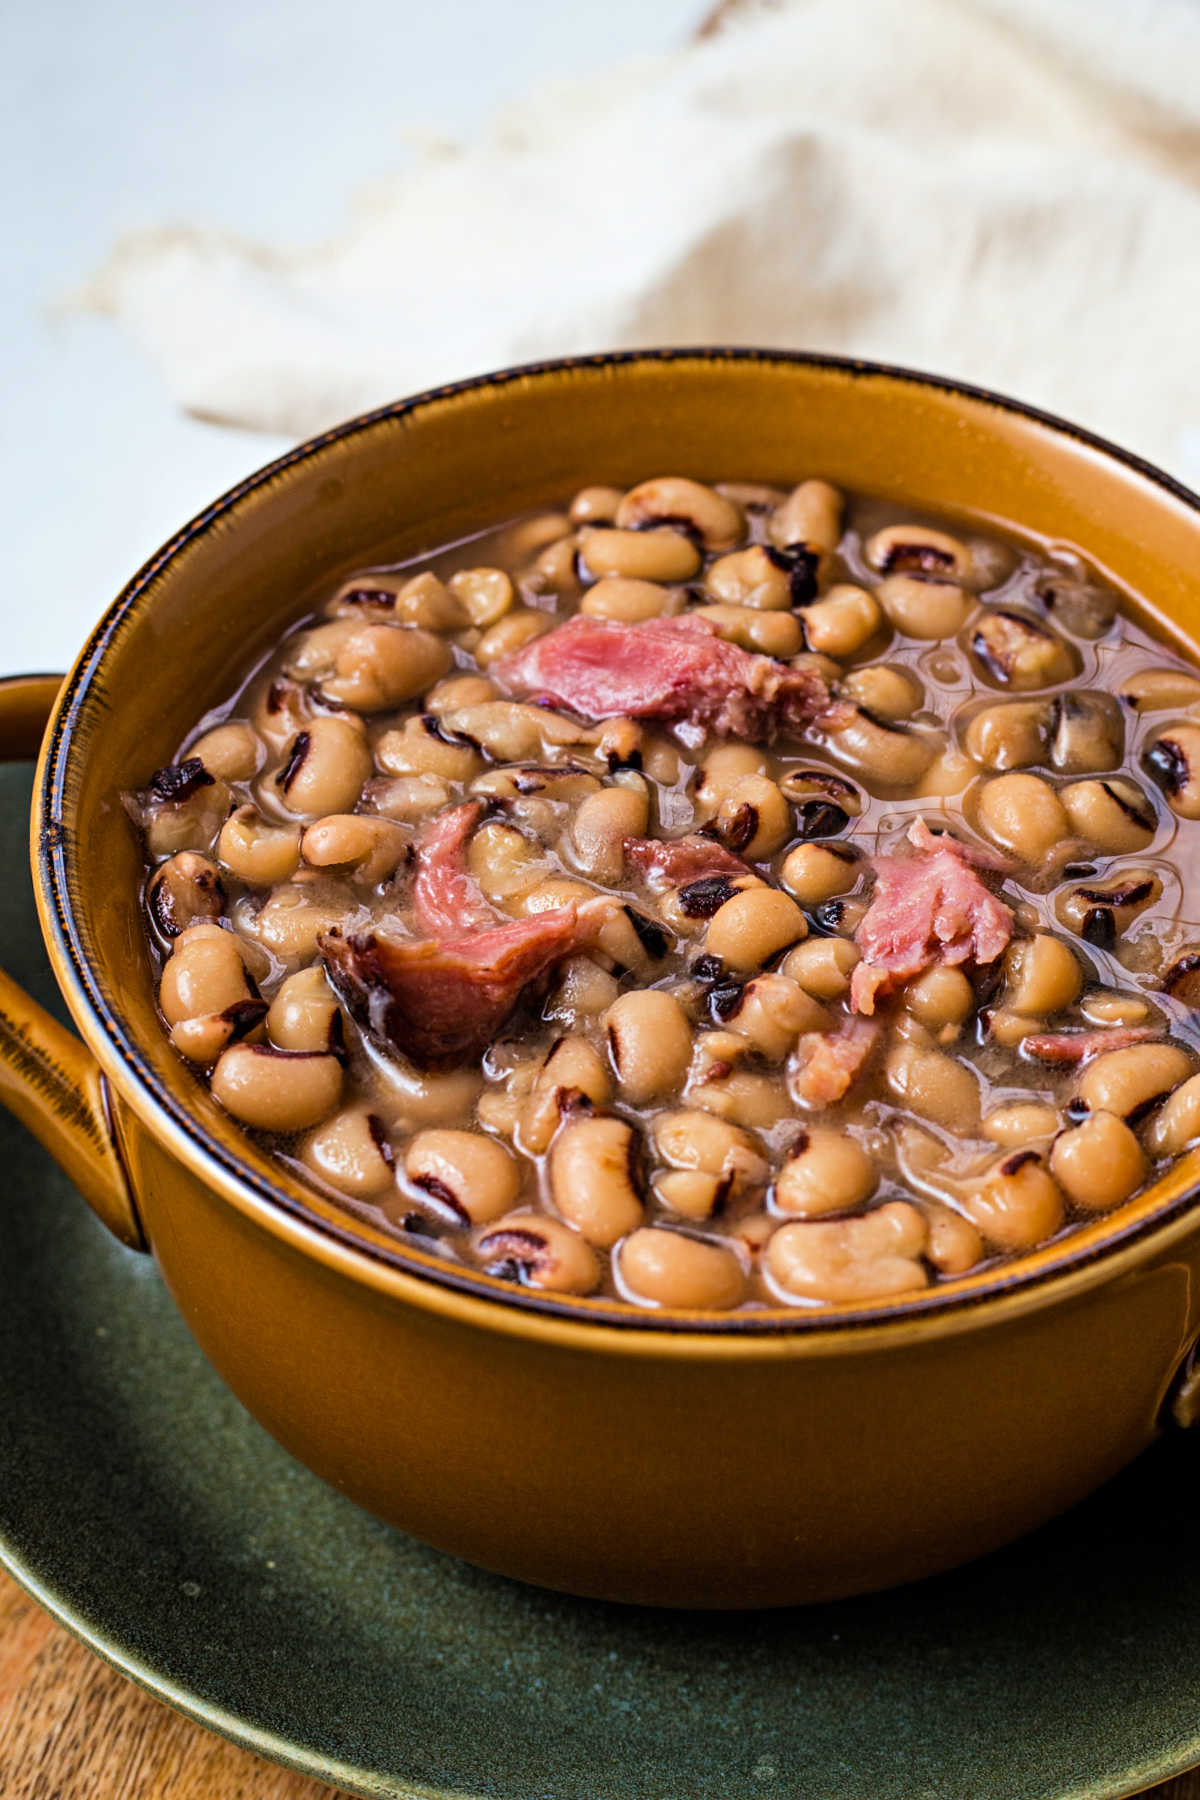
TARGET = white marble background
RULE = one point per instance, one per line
(262, 116)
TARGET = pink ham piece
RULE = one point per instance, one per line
(446, 899)
(1081, 1046)
(828, 1063)
(677, 670)
(926, 909)
(677, 861)
(442, 1002)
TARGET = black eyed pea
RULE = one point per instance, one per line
(700, 1143)
(1098, 1163)
(919, 550)
(629, 601)
(1009, 734)
(416, 1098)
(407, 799)
(826, 801)
(559, 890)
(1176, 1123)
(815, 872)
(690, 1192)
(304, 1015)
(371, 848)
(727, 764)
(504, 862)
(1132, 1081)
(941, 999)
(582, 991)
(313, 654)
(657, 1266)
(554, 570)
(742, 1096)
(1173, 762)
(1111, 812)
(508, 634)
(934, 1086)
(429, 603)
(458, 691)
(954, 1245)
(324, 768)
(826, 1172)
(540, 1253)
(257, 852)
(621, 744)
(381, 666)
(686, 908)
(204, 974)
(754, 926)
(529, 537)
(811, 514)
(202, 1040)
(182, 809)
(949, 773)
(923, 608)
(485, 595)
(278, 710)
(1101, 911)
(565, 783)
(822, 966)
(770, 1013)
(473, 1175)
(1086, 733)
(291, 923)
(753, 820)
(634, 941)
(572, 1075)
(602, 823)
(1010, 1028)
(750, 578)
(1021, 1122)
(1043, 975)
(1023, 814)
(593, 1178)
(511, 732)
(277, 1090)
(840, 623)
(776, 634)
(1018, 1203)
(422, 746)
(595, 505)
(890, 755)
(1019, 651)
(183, 891)
(1077, 603)
(1103, 1007)
(888, 693)
(1160, 690)
(650, 1043)
(231, 752)
(840, 1261)
(707, 516)
(659, 554)
(351, 1152)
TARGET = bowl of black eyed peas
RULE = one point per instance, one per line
(647, 902)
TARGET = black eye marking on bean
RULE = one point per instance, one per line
(922, 559)
(708, 968)
(419, 1225)
(278, 694)
(244, 1015)
(820, 819)
(801, 564)
(1078, 871)
(1116, 893)
(896, 727)
(1182, 979)
(179, 781)
(1020, 1159)
(740, 829)
(799, 1144)
(379, 1136)
(673, 522)
(725, 1001)
(829, 914)
(297, 752)
(367, 596)
(701, 899)
(651, 937)
(1076, 1111)
(1132, 812)
(616, 761)
(572, 1102)
(1166, 762)
(1100, 928)
(434, 726)
(445, 1196)
(1145, 1108)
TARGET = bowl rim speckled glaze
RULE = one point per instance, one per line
(1071, 1263)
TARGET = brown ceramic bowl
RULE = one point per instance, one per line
(745, 1460)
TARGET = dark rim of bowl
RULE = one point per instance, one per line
(586, 1310)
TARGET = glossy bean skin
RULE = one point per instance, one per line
(1023, 814)
(923, 608)
(540, 1252)
(841, 623)
(474, 1175)
(1124, 1082)
(324, 769)
(1019, 1204)
(811, 515)
(656, 555)
(827, 1172)
(629, 601)
(753, 927)
(1173, 762)
(277, 1090)
(872, 1257)
(351, 1153)
(650, 1043)
(1098, 1163)
(592, 1180)
(709, 516)
(258, 853)
(185, 890)
(750, 578)
(667, 1268)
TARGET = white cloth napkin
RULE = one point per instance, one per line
(1006, 191)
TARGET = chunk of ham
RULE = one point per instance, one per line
(927, 909)
(1081, 1046)
(674, 862)
(677, 670)
(826, 1064)
(441, 1002)
(446, 898)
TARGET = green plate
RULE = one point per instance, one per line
(144, 1507)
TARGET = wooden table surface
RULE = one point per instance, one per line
(71, 1728)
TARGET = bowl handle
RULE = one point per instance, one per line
(48, 1078)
